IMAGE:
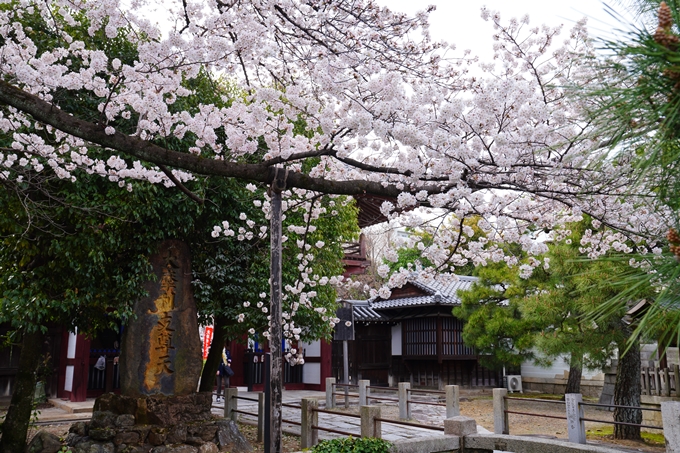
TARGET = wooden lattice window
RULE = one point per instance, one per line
(420, 337)
(452, 338)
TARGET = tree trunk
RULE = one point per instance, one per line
(575, 373)
(627, 391)
(212, 363)
(18, 418)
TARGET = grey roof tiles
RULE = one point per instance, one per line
(436, 292)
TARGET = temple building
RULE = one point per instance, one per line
(413, 337)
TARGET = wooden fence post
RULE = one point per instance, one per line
(452, 401)
(231, 403)
(330, 389)
(404, 406)
(309, 436)
(370, 427)
(363, 387)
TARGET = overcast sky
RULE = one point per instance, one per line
(459, 21)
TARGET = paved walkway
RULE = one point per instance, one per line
(65, 411)
(426, 414)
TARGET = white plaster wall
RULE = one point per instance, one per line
(559, 369)
(311, 373)
(68, 381)
(71, 348)
(312, 349)
(396, 339)
(649, 354)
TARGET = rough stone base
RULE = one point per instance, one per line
(155, 424)
(556, 386)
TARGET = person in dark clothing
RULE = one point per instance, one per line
(224, 372)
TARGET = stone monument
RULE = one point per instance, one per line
(160, 365)
(161, 349)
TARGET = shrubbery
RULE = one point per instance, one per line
(353, 445)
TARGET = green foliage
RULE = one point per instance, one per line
(634, 101)
(353, 445)
(77, 257)
(76, 252)
(495, 325)
(509, 317)
(572, 287)
(411, 257)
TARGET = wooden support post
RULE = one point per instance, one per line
(649, 381)
(275, 335)
(345, 372)
(676, 376)
(260, 416)
(667, 382)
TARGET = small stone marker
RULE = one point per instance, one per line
(161, 350)
(575, 426)
(460, 426)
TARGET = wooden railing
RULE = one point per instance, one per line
(660, 381)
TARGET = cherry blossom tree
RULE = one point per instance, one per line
(347, 96)
(342, 97)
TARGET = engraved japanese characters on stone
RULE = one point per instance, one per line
(161, 334)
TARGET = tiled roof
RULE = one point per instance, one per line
(363, 312)
(438, 292)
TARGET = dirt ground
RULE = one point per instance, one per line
(479, 407)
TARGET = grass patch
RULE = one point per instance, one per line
(654, 439)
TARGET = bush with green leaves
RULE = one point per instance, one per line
(353, 445)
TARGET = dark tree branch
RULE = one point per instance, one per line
(180, 186)
(186, 17)
(134, 146)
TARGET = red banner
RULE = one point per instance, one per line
(207, 340)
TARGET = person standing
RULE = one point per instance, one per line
(224, 372)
